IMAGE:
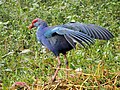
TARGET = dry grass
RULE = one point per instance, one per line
(101, 79)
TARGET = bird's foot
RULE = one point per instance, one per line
(53, 78)
(20, 85)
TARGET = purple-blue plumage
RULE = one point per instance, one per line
(62, 38)
(55, 43)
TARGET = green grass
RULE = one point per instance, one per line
(18, 65)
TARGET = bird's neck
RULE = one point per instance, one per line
(42, 26)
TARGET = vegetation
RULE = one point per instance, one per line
(23, 59)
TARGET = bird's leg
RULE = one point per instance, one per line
(58, 68)
(66, 62)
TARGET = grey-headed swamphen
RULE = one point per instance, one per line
(62, 38)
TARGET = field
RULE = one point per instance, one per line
(23, 59)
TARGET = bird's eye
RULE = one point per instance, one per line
(36, 24)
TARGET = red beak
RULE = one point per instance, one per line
(30, 26)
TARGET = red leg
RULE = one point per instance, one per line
(58, 68)
(66, 62)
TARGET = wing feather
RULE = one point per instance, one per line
(71, 36)
(92, 30)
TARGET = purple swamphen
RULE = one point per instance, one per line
(62, 38)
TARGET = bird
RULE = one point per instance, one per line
(63, 38)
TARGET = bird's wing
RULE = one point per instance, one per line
(92, 30)
(70, 35)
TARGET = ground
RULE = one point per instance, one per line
(23, 59)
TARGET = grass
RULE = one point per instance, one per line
(23, 59)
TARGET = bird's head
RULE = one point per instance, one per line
(35, 23)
